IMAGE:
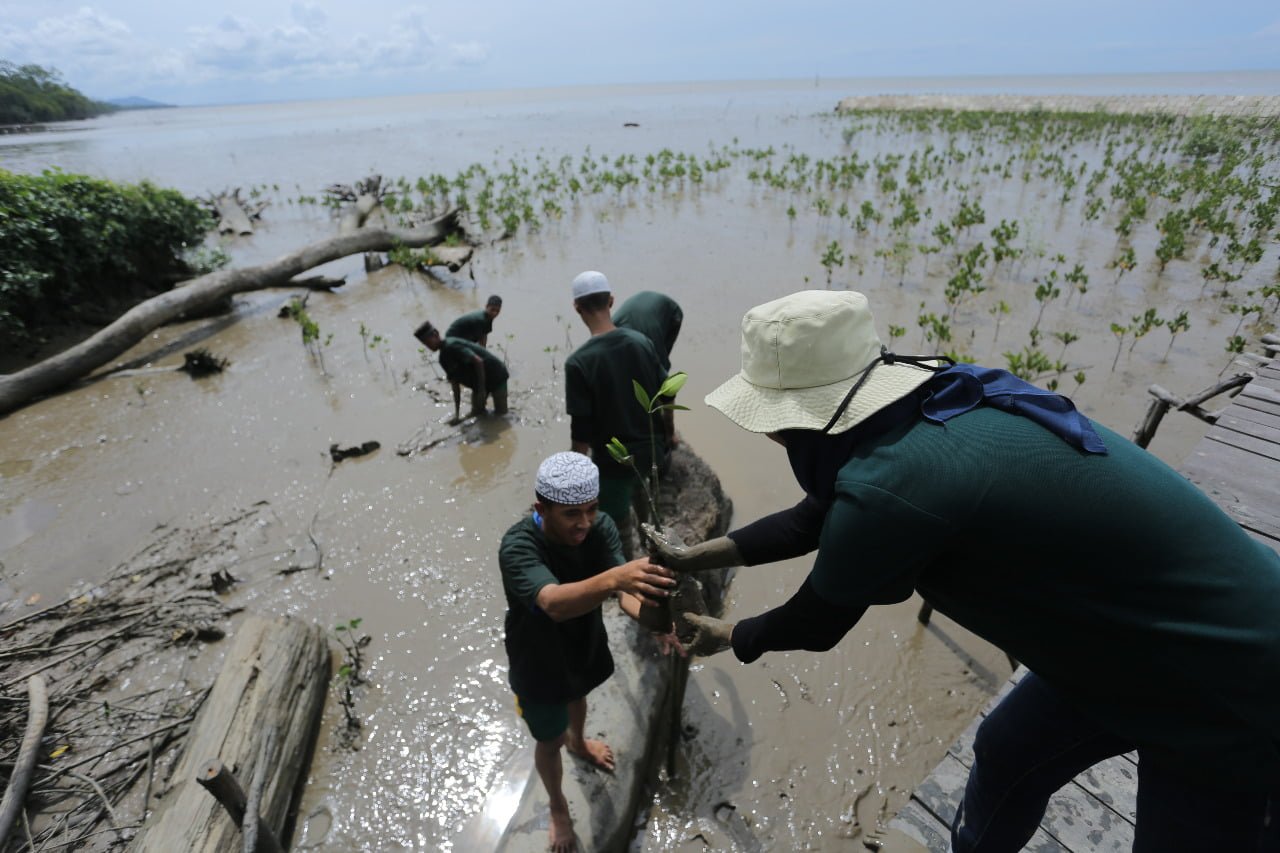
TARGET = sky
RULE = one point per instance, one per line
(229, 51)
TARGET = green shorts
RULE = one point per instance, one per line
(546, 720)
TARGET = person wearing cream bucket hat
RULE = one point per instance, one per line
(1149, 619)
(813, 360)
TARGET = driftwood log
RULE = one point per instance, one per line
(17, 389)
(16, 793)
(274, 679)
(234, 216)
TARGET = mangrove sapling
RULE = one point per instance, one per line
(1046, 292)
(1066, 339)
(1079, 378)
(1178, 324)
(1123, 263)
(349, 677)
(1119, 331)
(1142, 324)
(832, 257)
(1000, 310)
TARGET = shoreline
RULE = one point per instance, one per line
(1179, 105)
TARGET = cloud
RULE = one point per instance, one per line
(99, 52)
(68, 41)
(1271, 30)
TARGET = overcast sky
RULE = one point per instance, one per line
(262, 50)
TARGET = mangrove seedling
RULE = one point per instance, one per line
(348, 676)
(832, 257)
(1178, 324)
(1119, 331)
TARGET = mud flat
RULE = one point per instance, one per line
(1181, 105)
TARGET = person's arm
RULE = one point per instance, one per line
(638, 578)
(457, 401)
(484, 341)
(807, 621)
(583, 447)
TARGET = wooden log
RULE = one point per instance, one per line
(275, 677)
(232, 217)
(17, 389)
(16, 792)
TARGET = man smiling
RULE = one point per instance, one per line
(559, 565)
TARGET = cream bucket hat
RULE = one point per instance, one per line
(806, 355)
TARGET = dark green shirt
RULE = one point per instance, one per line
(656, 316)
(1112, 577)
(472, 326)
(601, 400)
(457, 357)
(554, 661)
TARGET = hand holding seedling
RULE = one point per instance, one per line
(716, 553)
(710, 635)
(649, 582)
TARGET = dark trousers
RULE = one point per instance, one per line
(1034, 742)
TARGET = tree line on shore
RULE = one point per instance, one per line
(32, 93)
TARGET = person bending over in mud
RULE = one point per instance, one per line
(1148, 618)
(559, 565)
(469, 364)
(475, 326)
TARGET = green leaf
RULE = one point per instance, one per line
(674, 383)
(355, 623)
(344, 671)
(674, 407)
(641, 395)
(618, 451)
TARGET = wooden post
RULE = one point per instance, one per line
(225, 788)
(274, 679)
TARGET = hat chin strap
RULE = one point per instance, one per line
(887, 357)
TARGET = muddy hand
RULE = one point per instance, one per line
(665, 549)
(710, 636)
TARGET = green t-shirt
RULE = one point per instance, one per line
(472, 326)
(554, 661)
(1112, 577)
(457, 357)
(656, 316)
(601, 400)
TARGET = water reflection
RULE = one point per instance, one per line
(485, 454)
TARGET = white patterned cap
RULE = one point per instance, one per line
(568, 478)
(589, 282)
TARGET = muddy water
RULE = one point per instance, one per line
(797, 751)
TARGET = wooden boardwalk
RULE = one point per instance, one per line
(1237, 464)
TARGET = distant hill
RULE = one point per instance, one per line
(133, 102)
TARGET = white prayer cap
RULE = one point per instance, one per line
(568, 478)
(589, 282)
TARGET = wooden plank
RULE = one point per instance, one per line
(923, 827)
(1260, 391)
(1231, 478)
(1252, 415)
(1231, 422)
(1080, 822)
(1260, 447)
(1258, 404)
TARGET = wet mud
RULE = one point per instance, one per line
(797, 751)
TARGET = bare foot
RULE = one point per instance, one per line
(595, 752)
(562, 837)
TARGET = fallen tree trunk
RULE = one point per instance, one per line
(274, 679)
(232, 216)
(17, 389)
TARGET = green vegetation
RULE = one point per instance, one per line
(29, 94)
(69, 242)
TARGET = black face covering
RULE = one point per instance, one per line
(816, 455)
